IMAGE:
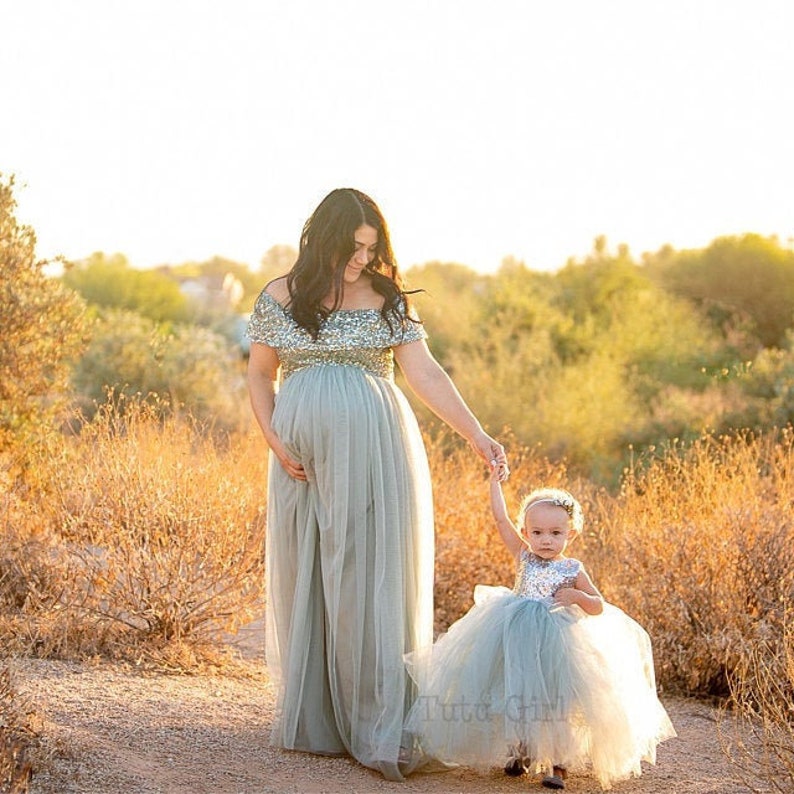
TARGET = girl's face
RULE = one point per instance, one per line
(547, 528)
(366, 240)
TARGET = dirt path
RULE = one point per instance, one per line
(112, 730)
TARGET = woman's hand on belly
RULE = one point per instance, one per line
(288, 463)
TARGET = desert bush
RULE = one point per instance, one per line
(744, 278)
(581, 361)
(110, 282)
(756, 727)
(696, 548)
(142, 534)
(35, 575)
(42, 323)
(179, 368)
(17, 737)
(151, 546)
(769, 386)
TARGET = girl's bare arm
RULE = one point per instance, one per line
(507, 529)
(584, 594)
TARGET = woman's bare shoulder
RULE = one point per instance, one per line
(277, 288)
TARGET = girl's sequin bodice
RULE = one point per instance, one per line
(356, 337)
(540, 579)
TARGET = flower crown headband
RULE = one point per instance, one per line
(565, 504)
(558, 498)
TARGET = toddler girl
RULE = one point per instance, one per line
(546, 677)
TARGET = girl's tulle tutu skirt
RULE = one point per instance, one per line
(570, 689)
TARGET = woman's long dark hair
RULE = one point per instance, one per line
(326, 246)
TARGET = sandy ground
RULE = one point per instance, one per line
(111, 730)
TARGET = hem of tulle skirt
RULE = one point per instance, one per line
(309, 750)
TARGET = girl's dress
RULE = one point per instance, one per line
(349, 554)
(518, 674)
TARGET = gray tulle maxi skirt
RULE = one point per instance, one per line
(349, 565)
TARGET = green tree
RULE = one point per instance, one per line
(184, 367)
(110, 282)
(740, 281)
(594, 288)
(217, 270)
(578, 361)
(447, 297)
(768, 383)
(43, 327)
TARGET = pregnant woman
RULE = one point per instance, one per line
(349, 555)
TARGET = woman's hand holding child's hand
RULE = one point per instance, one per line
(499, 470)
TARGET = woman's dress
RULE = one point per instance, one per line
(518, 675)
(349, 552)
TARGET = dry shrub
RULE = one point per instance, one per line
(31, 576)
(469, 550)
(18, 738)
(757, 725)
(697, 550)
(153, 546)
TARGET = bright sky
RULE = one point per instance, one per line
(172, 131)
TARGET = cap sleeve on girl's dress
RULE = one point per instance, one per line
(269, 323)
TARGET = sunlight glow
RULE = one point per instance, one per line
(171, 133)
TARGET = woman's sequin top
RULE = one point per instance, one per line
(355, 337)
(540, 579)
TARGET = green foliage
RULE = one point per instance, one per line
(768, 386)
(579, 362)
(219, 270)
(599, 285)
(440, 286)
(585, 364)
(110, 282)
(599, 357)
(43, 325)
(185, 367)
(738, 281)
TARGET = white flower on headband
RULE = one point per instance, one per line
(557, 497)
(565, 504)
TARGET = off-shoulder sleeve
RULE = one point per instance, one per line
(411, 329)
(269, 323)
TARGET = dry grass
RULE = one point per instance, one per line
(756, 726)
(141, 538)
(695, 547)
(144, 533)
(18, 738)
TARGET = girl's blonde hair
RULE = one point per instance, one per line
(558, 497)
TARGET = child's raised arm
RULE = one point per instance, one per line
(507, 529)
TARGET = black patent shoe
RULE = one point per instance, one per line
(515, 768)
(556, 779)
(517, 762)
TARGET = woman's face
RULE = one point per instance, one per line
(366, 240)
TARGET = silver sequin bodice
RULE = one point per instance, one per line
(540, 579)
(355, 337)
